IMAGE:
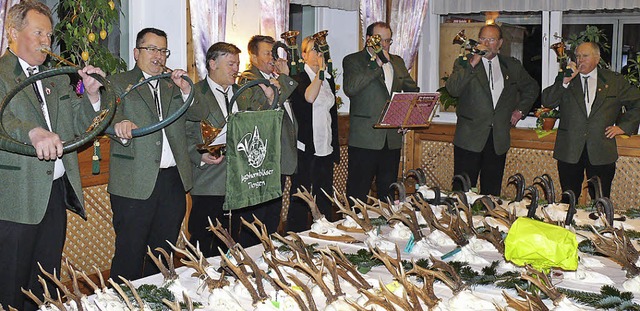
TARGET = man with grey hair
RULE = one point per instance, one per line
(210, 169)
(591, 102)
(37, 190)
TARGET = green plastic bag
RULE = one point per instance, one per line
(541, 245)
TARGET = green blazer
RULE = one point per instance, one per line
(577, 130)
(367, 91)
(26, 180)
(254, 99)
(208, 179)
(475, 111)
(134, 166)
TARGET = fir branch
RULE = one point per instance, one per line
(608, 298)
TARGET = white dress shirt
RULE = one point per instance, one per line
(496, 81)
(593, 84)
(220, 97)
(166, 159)
(321, 117)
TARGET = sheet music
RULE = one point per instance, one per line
(221, 139)
(409, 110)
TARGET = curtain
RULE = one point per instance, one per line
(371, 11)
(5, 5)
(208, 23)
(275, 17)
(347, 5)
(407, 17)
(466, 6)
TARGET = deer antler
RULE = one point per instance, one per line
(241, 275)
(311, 202)
(122, 294)
(498, 212)
(166, 272)
(310, 305)
(442, 271)
(493, 236)
(348, 271)
(411, 221)
(222, 234)
(542, 281)
(531, 302)
(619, 248)
(260, 230)
(195, 260)
(366, 226)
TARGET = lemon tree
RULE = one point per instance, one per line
(82, 32)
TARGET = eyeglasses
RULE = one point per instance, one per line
(155, 50)
(490, 40)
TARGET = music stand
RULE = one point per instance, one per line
(408, 111)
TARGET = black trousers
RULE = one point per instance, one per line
(150, 222)
(487, 164)
(268, 212)
(316, 174)
(364, 164)
(24, 246)
(203, 208)
(572, 175)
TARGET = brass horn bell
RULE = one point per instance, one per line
(289, 38)
(560, 48)
(467, 44)
(320, 43)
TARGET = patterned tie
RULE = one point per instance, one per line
(156, 98)
(32, 71)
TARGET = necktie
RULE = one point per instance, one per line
(156, 98)
(32, 71)
(226, 97)
(490, 75)
(586, 90)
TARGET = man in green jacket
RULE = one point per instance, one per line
(369, 85)
(590, 103)
(37, 190)
(263, 66)
(494, 92)
(148, 175)
(209, 170)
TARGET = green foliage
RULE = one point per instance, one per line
(633, 71)
(364, 260)
(608, 298)
(446, 100)
(591, 34)
(151, 295)
(82, 30)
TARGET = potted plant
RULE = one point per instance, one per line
(547, 118)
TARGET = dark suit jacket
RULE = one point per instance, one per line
(24, 195)
(577, 130)
(134, 166)
(208, 179)
(254, 99)
(303, 111)
(475, 111)
(364, 84)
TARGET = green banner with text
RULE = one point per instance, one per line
(253, 158)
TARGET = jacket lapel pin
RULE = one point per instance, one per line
(47, 91)
(506, 77)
